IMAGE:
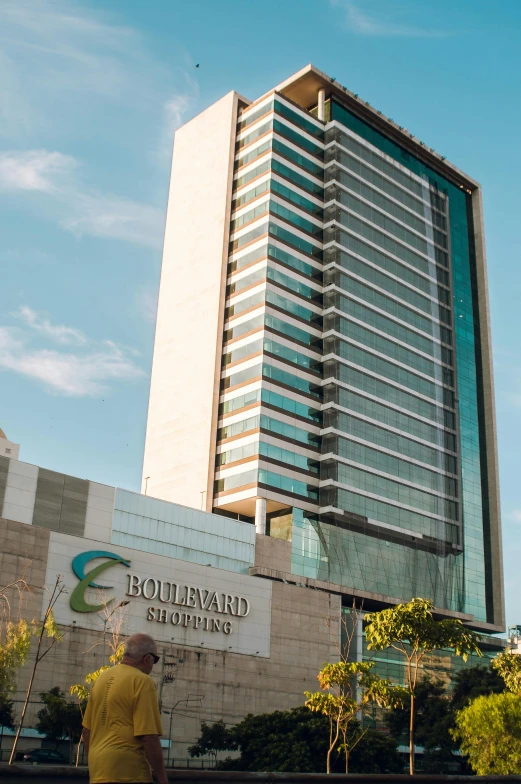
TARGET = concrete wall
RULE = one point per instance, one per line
(20, 492)
(275, 553)
(100, 509)
(24, 557)
(180, 440)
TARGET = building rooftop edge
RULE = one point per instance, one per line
(305, 83)
(133, 492)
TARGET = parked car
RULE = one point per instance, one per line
(41, 757)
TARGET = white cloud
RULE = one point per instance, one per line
(174, 112)
(70, 72)
(364, 23)
(42, 324)
(175, 109)
(56, 56)
(68, 373)
(514, 516)
(75, 207)
(57, 51)
(33, 170)
(106, 215)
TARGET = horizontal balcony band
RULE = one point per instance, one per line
(332, 165)
(333, 309)
(435, 423)
(334, 457)
(375, 529)
(332, 430)
(334, 223)
(390, 501)
(332, 332)
(382, 211)
(387, 358)
(375, 151)
(334, 244)
(333, 265)
(427, 316)
(334, 358)
(391, 429)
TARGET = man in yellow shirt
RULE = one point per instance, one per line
(122, 724)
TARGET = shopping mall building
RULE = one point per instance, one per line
(240, 627)
(321, 428)
(241, 633)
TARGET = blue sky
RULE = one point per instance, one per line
(90, 95)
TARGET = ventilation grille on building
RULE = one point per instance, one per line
(4, 469)
(61, 502)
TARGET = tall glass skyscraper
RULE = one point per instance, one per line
(322, 364)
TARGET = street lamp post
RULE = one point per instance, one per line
(185, 700)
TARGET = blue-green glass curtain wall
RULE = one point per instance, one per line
(456, 582)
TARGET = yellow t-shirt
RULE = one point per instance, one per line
(122, 705)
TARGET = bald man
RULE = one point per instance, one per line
(122, 724)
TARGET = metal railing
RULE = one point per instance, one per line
(186, 763)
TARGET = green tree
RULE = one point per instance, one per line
(432, 712)
(289, 741)
(47, 631)
(376, 753)
(412, 630)
(82, 690)
(434, 718)
(213, 738)
(15, 643)
(59, 720)
(7, 714)
(489, 732)
(508, 667)
(15, 638)
(435, 710)
(112, 616)
(293, 741)
(472, 682)
(346, 689)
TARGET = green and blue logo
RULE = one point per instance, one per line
(77, 600)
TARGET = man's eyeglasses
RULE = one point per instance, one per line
(154, 656)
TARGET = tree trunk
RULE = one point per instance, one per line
(347, 762)
(78, 750)
(328, 758)
(24, 709)
(332, 745)
(411, 737)
(52, 601)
